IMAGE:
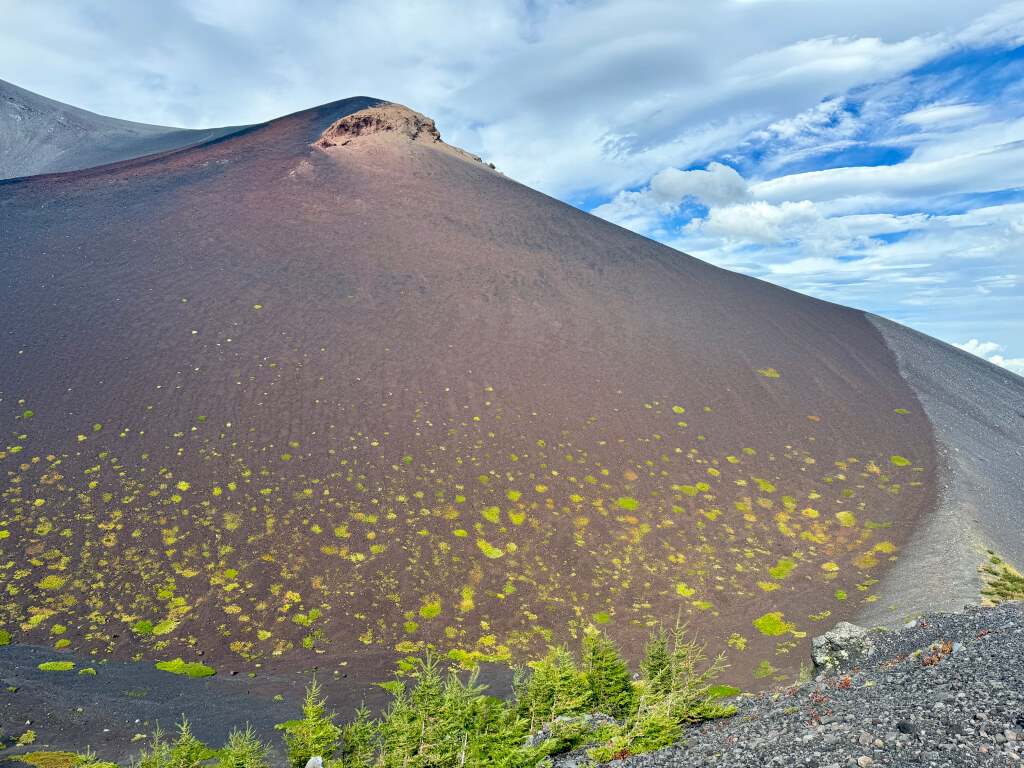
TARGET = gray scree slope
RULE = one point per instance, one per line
(977, 412)
(39, 135)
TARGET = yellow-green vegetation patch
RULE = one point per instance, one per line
(901, 411)
(5, 637)
(190, 668)
(899, 461)
(770, 373)
(765, 670)
(57, 666)
(723, 691)
(489, 550)
(1003, 581)
(683, 590)
(628, 502)
(840, 594)
(52, 582)
(431, 609)
(602, 617)
(492, 514)
(51, 759)
(846, 519)
(772, 624)
(87, 671)
(783, 569)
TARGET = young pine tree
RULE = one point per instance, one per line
(357, 740)
(656, 668)
(691, 698)
(158, 755)
(608, 678)
(315, 734)
(399, 730)
(243, 750)
(557, 687)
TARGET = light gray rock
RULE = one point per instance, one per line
(840, 645)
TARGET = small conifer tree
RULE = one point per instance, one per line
(357, 740)
(315, 734)
(158, 755)
(608, 678)
(243, 750)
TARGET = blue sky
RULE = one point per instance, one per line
(866, 152)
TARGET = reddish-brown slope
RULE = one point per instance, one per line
(354, 386)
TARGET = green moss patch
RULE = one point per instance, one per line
(846, 519)
(430, 610)
(1004, 582)
(772, 624)
(723, 691)
(57, 666)
(899, 461)
(628, 502)
(190, 668)
(51, 759)
(783, 569)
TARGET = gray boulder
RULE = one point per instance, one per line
(841, 645)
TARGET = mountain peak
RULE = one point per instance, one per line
(386, 119)
(391, 122)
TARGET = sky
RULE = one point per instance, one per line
(864, 152)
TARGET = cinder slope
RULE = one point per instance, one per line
(977, 410)
(331, 386)
(39, 135)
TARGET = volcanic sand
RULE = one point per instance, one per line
(311, 403)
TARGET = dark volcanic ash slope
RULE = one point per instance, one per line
(332, 386)
(39, 135)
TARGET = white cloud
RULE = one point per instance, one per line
(979, 348)
(936, 115)
(988, 169)
(716, 185)
(985, 350)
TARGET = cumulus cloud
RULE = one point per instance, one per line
(716, 185)
(979, 348)
(985, 350)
